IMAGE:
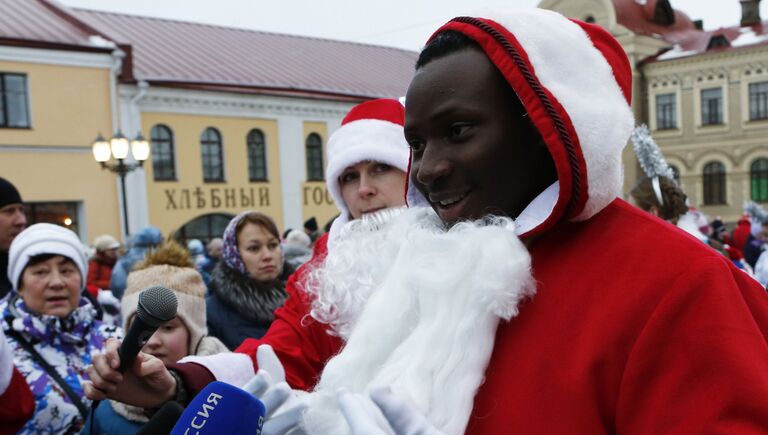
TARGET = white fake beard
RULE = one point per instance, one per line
(428, 330)
(358, 262)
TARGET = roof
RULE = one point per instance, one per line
(39, 24)
(638, 16)
(719, 40)
(684, 37)
(202, 55)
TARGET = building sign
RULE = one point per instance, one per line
(216, 197)
(317, 195)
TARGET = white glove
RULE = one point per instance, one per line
(401, 417)
(270, 387)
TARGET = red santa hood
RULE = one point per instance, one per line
(575, 81)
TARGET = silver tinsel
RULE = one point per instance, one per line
(649, 154)
(756, 212)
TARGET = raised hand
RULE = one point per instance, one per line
(147, 384)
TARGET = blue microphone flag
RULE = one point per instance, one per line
(221, 408)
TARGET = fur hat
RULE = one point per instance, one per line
(42, 239)
(371, 131)
(170, 266)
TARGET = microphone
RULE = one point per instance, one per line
(156, 306)
(221, 408)
(163, 420)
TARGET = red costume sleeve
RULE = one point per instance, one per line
(700, 364)
(302, 344)
(16, 404)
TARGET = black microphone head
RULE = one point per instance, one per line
(157, 305)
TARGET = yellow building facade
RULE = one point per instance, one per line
(183, 201)
(48, 157)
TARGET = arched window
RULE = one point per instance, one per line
(163, 161)
(204, 228)
(257, 156)
(758, 179)
(714, 183)
(213, 158)
(314, 157)
(675, 173)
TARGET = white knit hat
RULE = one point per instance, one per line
(371, 131)
(42, 239)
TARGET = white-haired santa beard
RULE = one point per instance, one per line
(360, 258)
(428, 329)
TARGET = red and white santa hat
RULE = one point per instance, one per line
(575, 81)
(371, 131)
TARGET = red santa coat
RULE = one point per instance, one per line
(620, 341)
(615, 340)
(16, 403)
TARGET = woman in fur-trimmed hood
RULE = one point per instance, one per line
(249, 283)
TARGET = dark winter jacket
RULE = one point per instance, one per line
(239, 307)
(5, 283)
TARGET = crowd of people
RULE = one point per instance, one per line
(482, 276)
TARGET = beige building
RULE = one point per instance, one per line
(56, 92)
(703, 94)
(236, 119)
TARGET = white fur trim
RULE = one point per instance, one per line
(558, 49)
(538, 210)
(233, 368)
(6, 363)
(359, 141)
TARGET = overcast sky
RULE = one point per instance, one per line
(397, 23)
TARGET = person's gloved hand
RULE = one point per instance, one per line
(270, 387)
(401, 417)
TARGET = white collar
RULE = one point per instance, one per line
(538, 210)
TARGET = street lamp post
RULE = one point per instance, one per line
(117, 148)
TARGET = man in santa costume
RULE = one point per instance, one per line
(634, 327)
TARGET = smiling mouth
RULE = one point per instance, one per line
(450, 201)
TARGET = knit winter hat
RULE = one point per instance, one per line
(8, 193)
(311, 224)
(575, 82)
(41, 239)
(170, 267)
(371, 131)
